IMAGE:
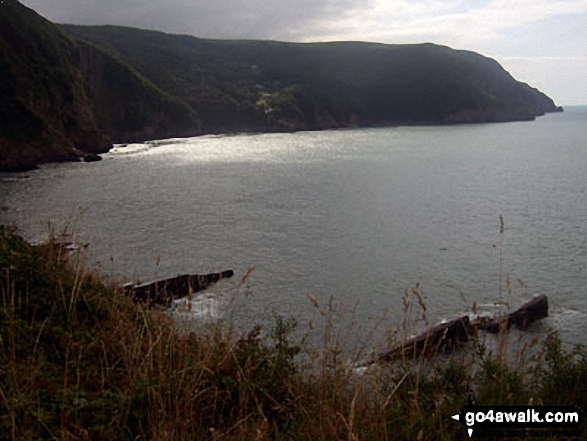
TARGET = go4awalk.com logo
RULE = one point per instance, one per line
(508, 420)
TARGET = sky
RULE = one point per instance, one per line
(540, 42)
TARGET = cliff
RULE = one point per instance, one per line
(71, 90)
(267, 85)
(44, 113)
(62, 98)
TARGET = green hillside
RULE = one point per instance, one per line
(242, 85)
(70, 90)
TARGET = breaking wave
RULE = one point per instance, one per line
(129, 149)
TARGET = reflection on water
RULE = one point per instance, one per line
(356, 215)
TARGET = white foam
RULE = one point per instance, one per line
(200, 307)
(161, 142)
(128, 149)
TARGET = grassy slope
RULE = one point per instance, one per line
(321, 84)
(79, 361)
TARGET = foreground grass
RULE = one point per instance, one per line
(79, 361)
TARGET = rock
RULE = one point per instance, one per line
(450, 335)
(85, 156)
(531, 311)
(163, 292)
(91, 157)
(442, 337)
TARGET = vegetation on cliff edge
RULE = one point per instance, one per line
(78, 360)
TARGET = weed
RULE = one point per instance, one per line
(79, 360)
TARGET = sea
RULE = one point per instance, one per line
(361, 232)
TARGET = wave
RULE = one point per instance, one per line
(162, 142)
(129, 149)
(134, 148)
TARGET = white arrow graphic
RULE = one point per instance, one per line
(457, 417)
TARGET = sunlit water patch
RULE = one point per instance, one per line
(358, 216)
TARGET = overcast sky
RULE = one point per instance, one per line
(541, 42)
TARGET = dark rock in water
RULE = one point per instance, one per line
(531, 311)
(163, 292)
(450, 335)
(92, 157)
(85, 156)
(439, 338)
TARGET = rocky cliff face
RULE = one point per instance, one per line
(126, 106)
(61, 98)
(44, 112)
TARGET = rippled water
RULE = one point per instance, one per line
(356, 215)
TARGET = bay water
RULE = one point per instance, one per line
(352, 217)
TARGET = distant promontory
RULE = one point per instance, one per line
(69, 89)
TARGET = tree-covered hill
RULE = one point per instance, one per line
(69, 89)
(241, 85)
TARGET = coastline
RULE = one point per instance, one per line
(17, 164)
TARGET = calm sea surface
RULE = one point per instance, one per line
(357, 216)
